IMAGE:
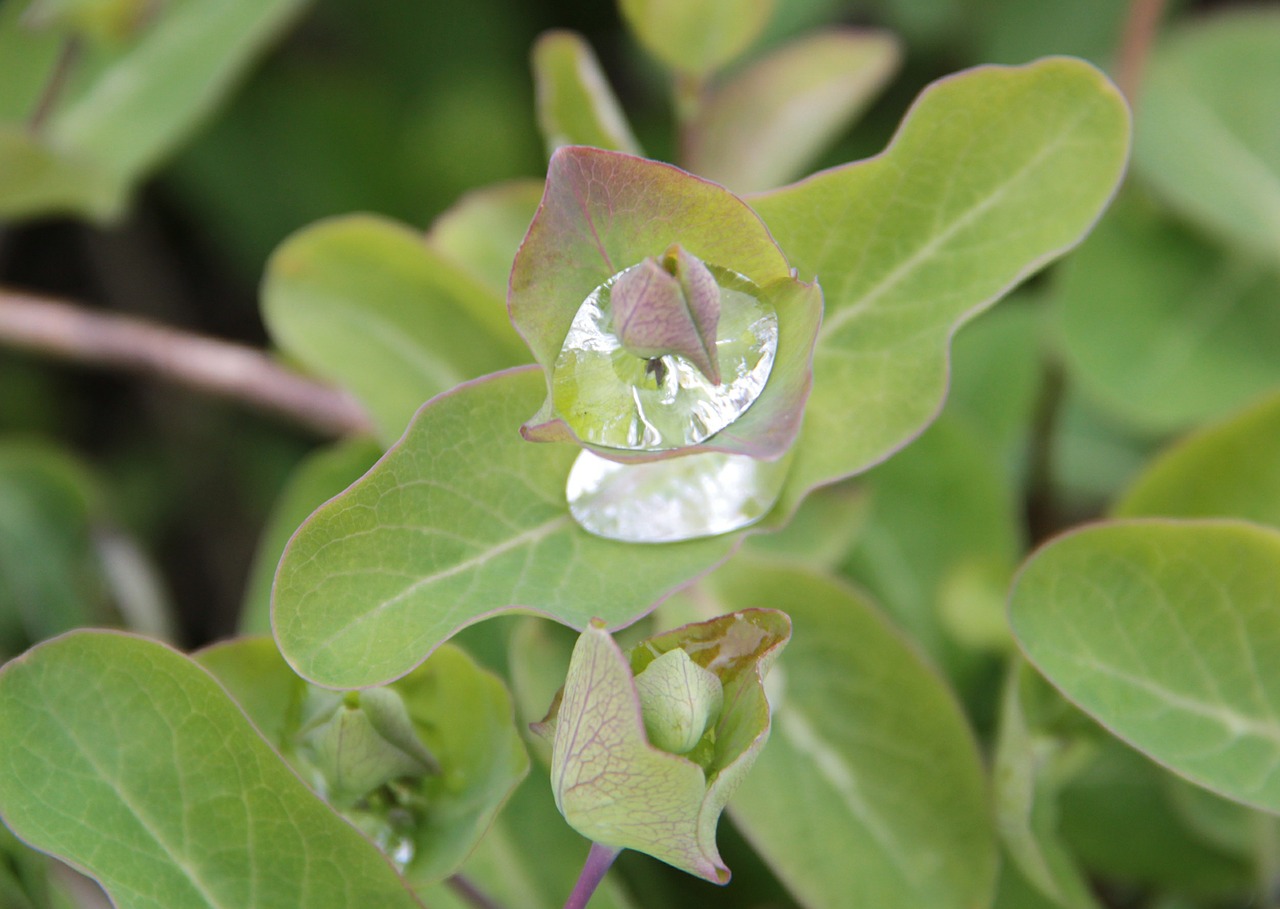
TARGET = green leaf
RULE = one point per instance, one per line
(696, 36)
(1118, 819)
(103, 21)
(51, 579)
(461, 713)
(1206, 136)
(612, 780)
(530, 859)
(1227, 470)
(1027, 772)
(461, 519)
(483, 230)
(321, 476)
(142, 103)
(870, 791)
(937, 509)
(1164, 632)
(575, 104)
(130, 762)
(36, 179)
(993, 173)
(364, 302)
(1162, 329)
(765, 125)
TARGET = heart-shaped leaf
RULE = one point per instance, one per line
(364, 302)
(1165, 632)
(763, 126)
(575, 104)
(461, 519)
(130, 762)
(993, 173)
(483, 230)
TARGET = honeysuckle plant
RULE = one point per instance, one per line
(626, 396)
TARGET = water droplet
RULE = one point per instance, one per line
(612, 398)
(698, 495)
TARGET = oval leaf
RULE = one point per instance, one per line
(1228, 470)
(129, 761)
(696, 36)
(1162, 329)
(461, 519)
(575, 104)
(1206, 126)
(364, 302)
(870, 791)
(763, 126)
(1166, 633)
(993, 173)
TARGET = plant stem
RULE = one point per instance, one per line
(1140, 29)
(599, 859)
(68, 54)
(470, 893)
(215, 367)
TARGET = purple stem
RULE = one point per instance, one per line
(593, 870)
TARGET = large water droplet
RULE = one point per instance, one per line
(699, 495)
(613, 399)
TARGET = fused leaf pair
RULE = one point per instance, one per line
(649, 745)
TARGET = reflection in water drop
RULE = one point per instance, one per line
(614, 399)
(699, 495)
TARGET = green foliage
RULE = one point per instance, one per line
(103, 731)
(785, 424)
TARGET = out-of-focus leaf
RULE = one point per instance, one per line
(575, 104)
(28, 57)
(50, 578)
(460, 520)
(1011, 31)
(36, 179)
(1026, 784)
(529, 859)
(823, 531)
(460, 712)
(107, 21)
(365, 302)
(483, 230)
(133, 104)
(870, 791)
(1227, 470)
(938, 505)
(766, 124)
(1164, 330)
(129, 761)
(317, 479)
(1207, 136)
(1117, 819)
(993, 173)
(696, 36)
(1164, 632)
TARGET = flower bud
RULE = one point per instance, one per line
(678, 701)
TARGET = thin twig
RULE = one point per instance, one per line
(68, 54)
(71, 332)
(470, 893)
(598, 862)
(1135, 44)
